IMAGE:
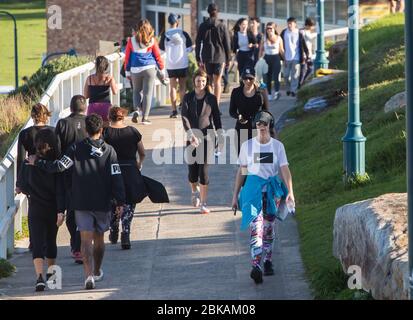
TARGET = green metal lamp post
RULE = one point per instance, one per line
(321, 60)
(409, 117)
(16, 56)
(354, 141)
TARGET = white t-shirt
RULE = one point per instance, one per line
(243, 41)
(309, 38)
(291, 45)
(263, 160)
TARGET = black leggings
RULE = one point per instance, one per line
(274, 68)
(198, 172)
(245, 59)
(74, 233)
(43, 230)
(127, 216)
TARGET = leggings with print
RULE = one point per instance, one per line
(127, 216)
(262, 230)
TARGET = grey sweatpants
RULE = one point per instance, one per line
(143, 81)
(292, 75)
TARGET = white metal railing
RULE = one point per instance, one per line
(335, 32)
(57, 98)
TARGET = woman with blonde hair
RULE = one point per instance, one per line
(142, 56)
(272, 49)
(200, 117)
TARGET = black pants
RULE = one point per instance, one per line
(198, 172)
(274, 68)
(74, 233)
(126, 219)
(245, 60)
(43, 229)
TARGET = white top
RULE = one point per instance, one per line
(243, 41)
(272, 48)
(309, 38)
(291, 45)
(263, 160)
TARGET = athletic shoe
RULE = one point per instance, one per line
(146, 121)
(288, 93)
(90, 283)
(113, 236)
(270, 97)
(256, 274)
(276, 95)
(174, 114)
(40, 284)
(268, 270)
(78, 257)
(125, 241)
(204, 209)
(195, 199)
(293, 94)
(135, 117)
(226, 89)
(98, 277)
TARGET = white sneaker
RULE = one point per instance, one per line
(270, 97)
(90, 283)
(276, 95)
(204, 209)
(98, 277)
(195, 199)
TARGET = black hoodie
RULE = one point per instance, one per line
(96, 177)
(216, 44)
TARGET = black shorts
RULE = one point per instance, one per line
(178, 73)
(214, 68)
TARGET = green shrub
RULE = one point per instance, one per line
(6, 268)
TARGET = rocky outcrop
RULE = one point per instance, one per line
(396, 102)
(372, 234)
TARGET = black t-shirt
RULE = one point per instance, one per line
(71, 130)
(248, 107)
(26, 143)
(124, 141)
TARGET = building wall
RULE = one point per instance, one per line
(84, 23)
(131, 14)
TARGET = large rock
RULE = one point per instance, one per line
(396, 102)
(372, 234)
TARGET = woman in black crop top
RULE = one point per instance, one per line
(127, 142)
(97, 89)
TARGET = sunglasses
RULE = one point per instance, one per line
(262, 123)
(248, 79)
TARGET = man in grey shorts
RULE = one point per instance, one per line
(95, 181)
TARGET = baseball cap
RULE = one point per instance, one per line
(173, 18)
(263, 116)
(212, 7)
(248, 73)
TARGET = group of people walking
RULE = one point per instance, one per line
(89, 166)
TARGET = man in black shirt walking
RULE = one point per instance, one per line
(213, 48)
(70, 130)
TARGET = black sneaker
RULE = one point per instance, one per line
(293, 94)
(146, 122)
(256, 274)
(268, 270)
(226, 89)
(135, 117)
(125, 241)
(40, 284)
(288, 93)
(174, 114)
(113, 237)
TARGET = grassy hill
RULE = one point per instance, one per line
(315, 153)
(31, 30)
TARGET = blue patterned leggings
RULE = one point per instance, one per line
(127, 216)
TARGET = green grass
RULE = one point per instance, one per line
(31, 29)
(25, 230)
(315, 153)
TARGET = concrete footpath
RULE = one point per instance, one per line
(176, 252)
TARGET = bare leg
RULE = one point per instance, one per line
(217, 87)
(38, 266)
(98, 251)
(182, 88)
(86, 248)
(204, 193)
(173, 83)
(194, 186)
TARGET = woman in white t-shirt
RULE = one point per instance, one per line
(309, 35)
(264, 161)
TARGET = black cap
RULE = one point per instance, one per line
(212, 7)
(263, 116)
(248, 73)
(173, 18)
